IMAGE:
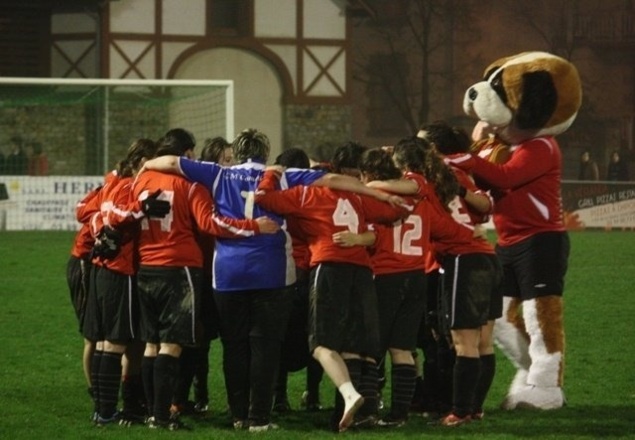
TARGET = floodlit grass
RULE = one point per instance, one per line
(43, 395)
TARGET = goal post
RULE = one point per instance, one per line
(86, 125)
(83, 127)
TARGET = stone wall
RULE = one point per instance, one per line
(317, 129)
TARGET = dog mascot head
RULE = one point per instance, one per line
(526, 95)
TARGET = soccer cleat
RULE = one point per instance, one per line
(364, 422)
(478, 415)
(173, 424)
(263, 428)
(310, 402)
(127, 419)
(201, 407)
(103, 421)
(352, 404)
(454, 420)
(239, 424)
(281, 406)
(391, 422)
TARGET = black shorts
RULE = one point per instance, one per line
(171, 300)
(112, 309)
(536, 266)
(295, 349)
(471, 290)
(208, 318)
(77, 277)
(343, 309)
(401, 301)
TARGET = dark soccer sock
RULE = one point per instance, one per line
(201, 373)
(369, 389)
(166, 369)
(466, 373)
(109, 382)
(314, 373)
(94, 377)
(147, 373)
(485, 379)
(186, 375)
(132, 395)
(403, 388)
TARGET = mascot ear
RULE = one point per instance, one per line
(539, 100)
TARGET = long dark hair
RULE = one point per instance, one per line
(377, 164)
(140, 149)
(417, 155)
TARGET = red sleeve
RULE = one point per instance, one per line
(376, 211)
(87, 206)
(125, 210)
(269, 181)
(529, 161)
(285, 202)
(202, 209)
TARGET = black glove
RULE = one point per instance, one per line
(107, 244)
(152, 207)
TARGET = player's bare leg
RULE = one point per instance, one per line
(336, 370)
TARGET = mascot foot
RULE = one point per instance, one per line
(533, 397)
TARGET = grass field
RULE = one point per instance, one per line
(42, 391)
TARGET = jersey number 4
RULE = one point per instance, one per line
(345, 215)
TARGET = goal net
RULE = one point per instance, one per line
(82, 127)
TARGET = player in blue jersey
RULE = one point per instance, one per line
(254, 277)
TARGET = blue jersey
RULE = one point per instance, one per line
(260, 262)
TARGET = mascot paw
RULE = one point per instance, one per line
(533, 397)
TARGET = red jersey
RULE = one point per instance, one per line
(112, 195)
(172, 240)
(402, 246)
(530, 201)
(84, 240)
(301, 253)
(461, 208)
(452, 235)
(321, 212)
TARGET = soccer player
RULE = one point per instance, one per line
(112, 308)
(471, 278)
(194, 361)
(77, 276)
(253, 277)
(170, 273)
(343, 326)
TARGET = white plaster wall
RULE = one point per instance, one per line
(257, 89)
(275, 18)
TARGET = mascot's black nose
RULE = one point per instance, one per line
(472, 94)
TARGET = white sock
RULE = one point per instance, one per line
(348, 392)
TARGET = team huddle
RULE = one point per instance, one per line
(335, 267)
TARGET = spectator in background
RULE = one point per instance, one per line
(617, 170)
(16, 162)
(588, 168)
(38, 164)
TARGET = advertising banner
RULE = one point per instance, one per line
(598, 205)
(32, 203)
(48, 203)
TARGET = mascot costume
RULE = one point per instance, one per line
(524, 101)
